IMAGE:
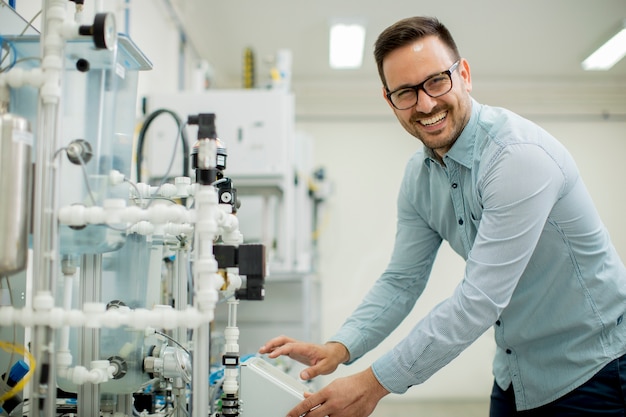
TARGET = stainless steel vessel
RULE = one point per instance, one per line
(15, 185)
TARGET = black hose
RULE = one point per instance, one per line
(141, 138)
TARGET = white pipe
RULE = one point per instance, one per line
(229, 228)
(234, 281)
(95, 315)
(181, 188)
(45, 201)
(100, 372)
(115, 211)
(231, 335)
(207, 282)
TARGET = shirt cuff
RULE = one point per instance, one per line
(353, 341)
(390, 375)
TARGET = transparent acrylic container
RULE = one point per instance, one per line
(125, 284)
(98, 106)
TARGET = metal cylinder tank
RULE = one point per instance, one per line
(16, 142)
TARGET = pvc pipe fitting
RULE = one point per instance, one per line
(43, 301)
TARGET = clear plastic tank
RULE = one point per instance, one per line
(125, 284)
(98, 106)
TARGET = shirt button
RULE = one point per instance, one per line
(498, 323)
(461, 222)
(508, 351)
(454, 185)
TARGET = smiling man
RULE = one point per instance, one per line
(540, 265)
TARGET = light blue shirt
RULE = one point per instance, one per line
(540, 266)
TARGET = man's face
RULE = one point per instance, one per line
(437, 122)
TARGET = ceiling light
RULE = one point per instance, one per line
(608, 54)
(346, 44)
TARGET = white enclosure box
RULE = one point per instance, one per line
(267, 391)
(256, 126)
(267, 162)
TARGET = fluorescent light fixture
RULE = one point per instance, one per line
(608, 54)
(346, 44)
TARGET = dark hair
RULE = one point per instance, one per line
(407, 31)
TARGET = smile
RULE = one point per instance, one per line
(435, 119)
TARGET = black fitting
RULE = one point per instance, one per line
(205, 123)
(230, 360)
(250, 259)
(225, 255)
(230, 405)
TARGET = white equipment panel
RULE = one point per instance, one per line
(256, 126)
(267, 391)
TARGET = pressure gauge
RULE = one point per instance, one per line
(103, 31)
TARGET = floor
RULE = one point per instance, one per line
(432, 409)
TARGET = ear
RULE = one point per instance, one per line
(384, 91)
(464, 71)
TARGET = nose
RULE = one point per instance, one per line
(425, 103)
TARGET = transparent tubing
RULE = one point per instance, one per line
(44, 250)
(43, 391)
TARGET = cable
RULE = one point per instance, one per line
(86, 177)
(174, 341)
(10, 347)
(6, 374)
(84, 170)
(11, 49)
(141, 138)
(132, 184)
(29, 24)
(181, 129)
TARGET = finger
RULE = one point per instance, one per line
(275, 343)
(322, 367)
(305, 407)
(308, 373)
(284, 350)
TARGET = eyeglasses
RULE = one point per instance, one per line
(435, 86)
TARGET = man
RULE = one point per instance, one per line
(540, 266)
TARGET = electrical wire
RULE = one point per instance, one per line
(29, 24)
(10, 347)
(9, 364)
(86, 177)
(171, 164)
(11, 49)
(132, 184)
(168, 337)
(181, 133)
(84, 171)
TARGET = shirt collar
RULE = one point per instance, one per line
(462, 150)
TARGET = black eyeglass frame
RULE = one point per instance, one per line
(420, 86)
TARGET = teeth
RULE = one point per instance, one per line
(435, 119)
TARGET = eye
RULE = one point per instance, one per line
(437, 80)
(404, 93)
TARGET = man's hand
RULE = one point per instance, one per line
(353, 396)
(321, 359)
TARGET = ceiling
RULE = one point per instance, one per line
(523, 40)
(527, 49)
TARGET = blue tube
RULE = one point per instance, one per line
(12, 3)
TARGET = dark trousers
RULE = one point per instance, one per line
(604, 394)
